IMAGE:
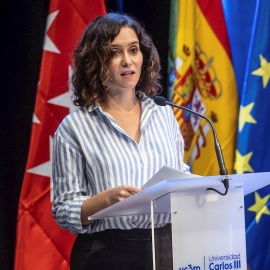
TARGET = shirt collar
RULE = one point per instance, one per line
(94, 107)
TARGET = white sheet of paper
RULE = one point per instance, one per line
(166, 173)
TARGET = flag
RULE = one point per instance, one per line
(40, 242)
(239, 26)
(202, 79)
(253, 147)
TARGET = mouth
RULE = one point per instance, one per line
(126, 73)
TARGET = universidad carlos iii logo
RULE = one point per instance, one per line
(215, 262)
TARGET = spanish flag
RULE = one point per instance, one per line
(202, 79)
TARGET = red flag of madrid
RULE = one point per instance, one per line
(40, 242)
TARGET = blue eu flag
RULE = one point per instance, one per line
(253, 147)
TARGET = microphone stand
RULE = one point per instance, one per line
(220, 159)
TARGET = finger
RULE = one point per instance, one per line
(133, 190)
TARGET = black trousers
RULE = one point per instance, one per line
(122, 250)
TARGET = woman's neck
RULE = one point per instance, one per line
(124, 102)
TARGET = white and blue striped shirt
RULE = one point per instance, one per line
(93, 153)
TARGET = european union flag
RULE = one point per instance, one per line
(253, 148)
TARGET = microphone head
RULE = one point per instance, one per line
(159, 100)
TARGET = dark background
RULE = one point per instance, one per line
(22, 26)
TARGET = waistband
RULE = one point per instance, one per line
(133, 234)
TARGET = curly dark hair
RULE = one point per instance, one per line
(93, 55)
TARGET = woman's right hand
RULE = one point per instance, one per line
(104, 199)
(120, 193)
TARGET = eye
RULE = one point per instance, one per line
(115, 53)
(134, 50)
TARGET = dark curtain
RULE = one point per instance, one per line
(22, 25)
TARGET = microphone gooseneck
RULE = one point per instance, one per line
(162, 101)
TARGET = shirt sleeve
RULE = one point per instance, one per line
(69, 186)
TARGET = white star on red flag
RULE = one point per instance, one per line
(35, 119)
(65, 100)
(48, 44)
(45, 169)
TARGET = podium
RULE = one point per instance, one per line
(208, 230)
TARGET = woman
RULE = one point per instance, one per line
(106, 150)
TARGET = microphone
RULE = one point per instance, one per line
(162, 101)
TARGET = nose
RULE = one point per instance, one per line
(126, 61)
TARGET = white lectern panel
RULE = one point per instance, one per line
(208, 230)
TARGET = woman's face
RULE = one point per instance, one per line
(126, 62)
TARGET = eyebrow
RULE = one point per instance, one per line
(132, 43)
